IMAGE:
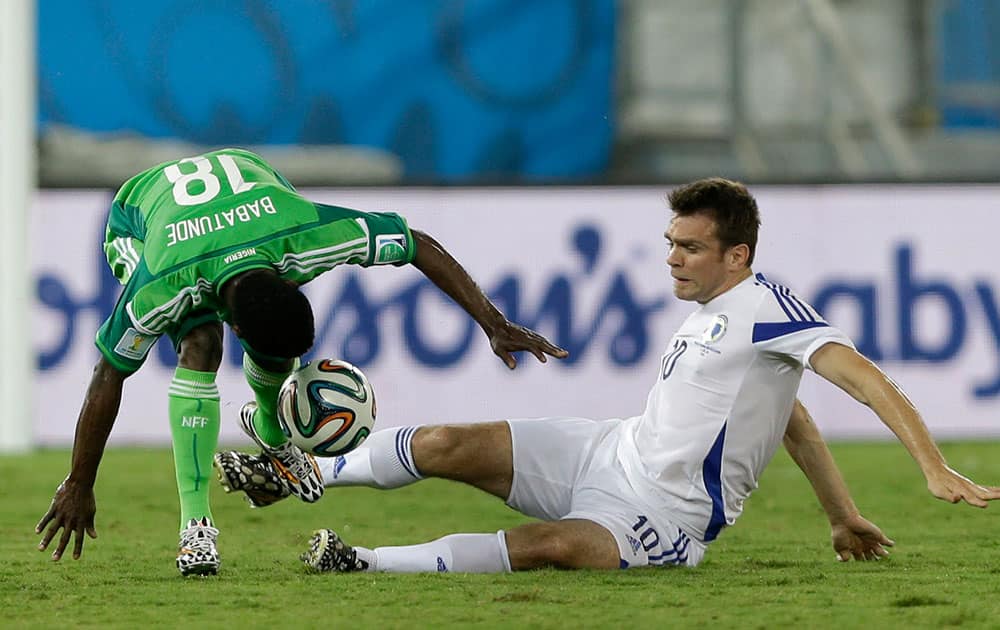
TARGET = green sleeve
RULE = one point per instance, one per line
(390, 240)
(123, 254)
(123, 240)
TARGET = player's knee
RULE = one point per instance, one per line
(201, 349)
(566, 544)
(450, 449)
(436, 447)
(559, 550)
(544, 545)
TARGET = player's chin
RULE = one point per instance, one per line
(682, 291)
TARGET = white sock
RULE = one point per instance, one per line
(353, 469)
(457, 553)
(385, 461)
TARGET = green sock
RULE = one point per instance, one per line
(194, 424)
(265, 386)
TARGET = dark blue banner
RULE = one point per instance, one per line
(459, 89)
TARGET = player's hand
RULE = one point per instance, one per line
(948, 485)
(859, 538)
(72, 510)
(510, 337)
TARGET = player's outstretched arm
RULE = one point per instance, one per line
(864, 381)
(505, 336)
(73, 506)
(852, 535)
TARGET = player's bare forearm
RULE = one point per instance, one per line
(448, 275)
(506, 337)
(852, 535)
(73, 507)
(860, 378)
(810, 452)
(864, 381)
(97, 416)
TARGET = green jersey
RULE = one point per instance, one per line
(178, 231)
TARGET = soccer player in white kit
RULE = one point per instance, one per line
(657, 488)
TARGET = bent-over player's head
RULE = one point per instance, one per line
(271, 314)
(713, 237)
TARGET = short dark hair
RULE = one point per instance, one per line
(273, 315)
(728, 203)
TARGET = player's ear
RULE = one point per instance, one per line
(738, 255)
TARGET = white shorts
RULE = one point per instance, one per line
(568, 468)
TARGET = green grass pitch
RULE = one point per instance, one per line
(775, 568)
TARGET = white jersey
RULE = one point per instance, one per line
(721, 402)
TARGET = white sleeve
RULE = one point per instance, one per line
(785, 325)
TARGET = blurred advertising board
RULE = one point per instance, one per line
(907, 271)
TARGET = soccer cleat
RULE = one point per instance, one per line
(196, 552)
(255, 475)
(297, 469)
(247, 413)
(327, 552)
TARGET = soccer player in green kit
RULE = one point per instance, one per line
(224, 237)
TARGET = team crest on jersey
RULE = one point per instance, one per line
(389, 248)
(716, 330)
(134, 344)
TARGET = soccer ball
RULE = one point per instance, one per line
(326, 407)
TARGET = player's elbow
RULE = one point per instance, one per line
(428, 252)
(865, 381)
(421, 241)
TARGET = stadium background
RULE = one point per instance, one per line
(537, 141)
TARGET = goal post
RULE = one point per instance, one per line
(18, 129)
